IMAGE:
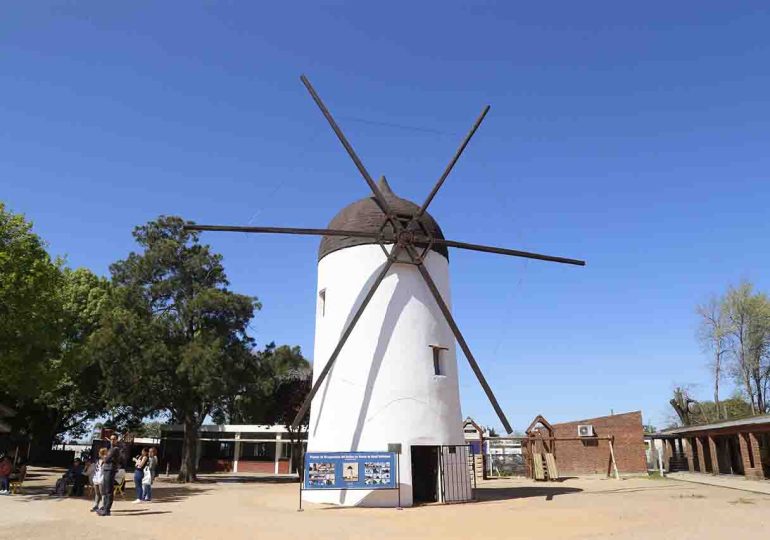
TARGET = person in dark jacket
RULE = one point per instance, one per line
(109, 468)
(76, 478)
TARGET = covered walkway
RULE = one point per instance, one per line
(734, 447)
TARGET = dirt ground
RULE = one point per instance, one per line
(225, 507)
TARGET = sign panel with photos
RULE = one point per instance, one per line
(350, 470)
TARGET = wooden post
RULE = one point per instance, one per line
(614, 464)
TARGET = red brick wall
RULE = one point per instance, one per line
(578, 457)
(215, 465)
(263, 466)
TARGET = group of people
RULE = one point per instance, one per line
(107, 471)
(145, 466)
(10, 472)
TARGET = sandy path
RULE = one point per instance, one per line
(576, 508)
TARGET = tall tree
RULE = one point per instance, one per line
(273, 395)
(748, 314)
(712, 334)
(71, 395)
(47, 313)
(256, 401)
(30, 307)
(289, 396)
(174, 337)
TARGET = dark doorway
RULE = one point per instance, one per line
(705, 444)
(696, 458)
(734, 453)
(424, 473)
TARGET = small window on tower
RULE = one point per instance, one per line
(322, 301)
(437, 363)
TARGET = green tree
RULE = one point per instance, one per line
(289, 394)
(47, 313)
(256, 401)
(732, 408)
(72, 394)
(748, 313)
(30, 307)
(173, 337)
(273, 394)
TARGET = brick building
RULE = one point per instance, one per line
(738, 447)
(576, 452)
(591, 455)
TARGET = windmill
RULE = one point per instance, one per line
(386, 239)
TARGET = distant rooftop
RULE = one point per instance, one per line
(754, 420)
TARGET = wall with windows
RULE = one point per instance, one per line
(233, 448)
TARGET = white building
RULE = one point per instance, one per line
(233, 448)
(395, 380)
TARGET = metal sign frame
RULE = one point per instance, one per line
(394, 457)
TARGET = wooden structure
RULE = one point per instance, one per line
(541, 445)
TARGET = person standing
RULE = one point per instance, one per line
(149, 474)
(97, 478)
(6, 468)
(140, 462)
(109, 468)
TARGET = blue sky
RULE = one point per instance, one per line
(633, 136)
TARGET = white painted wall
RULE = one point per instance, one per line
(382, 388)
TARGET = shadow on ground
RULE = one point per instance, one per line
(136, 513)
(525, 492)
(161, 493)
(657, 487)
(243, 479)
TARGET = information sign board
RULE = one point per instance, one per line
(350, 470)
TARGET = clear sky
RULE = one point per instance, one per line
(634, 136)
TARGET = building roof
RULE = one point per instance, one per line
(754, 420)
(539, 419)
(229, 428)
(366, 215)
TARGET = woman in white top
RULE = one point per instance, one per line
(149, 474)
(97, 479)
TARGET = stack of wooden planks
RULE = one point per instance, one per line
(544, 466)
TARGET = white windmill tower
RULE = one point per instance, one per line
(385, 369)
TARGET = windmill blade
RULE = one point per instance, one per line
(504, 251)
(344, 337)
(284, 230)
(378, 196)
(464, 346)
(451, 165)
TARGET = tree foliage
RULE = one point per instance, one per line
(748, 313)
(30, 307)
(256, 401)
(72, 394)
(173, 337)
(47, 312)
(735, 330)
